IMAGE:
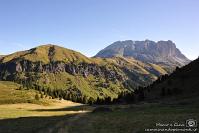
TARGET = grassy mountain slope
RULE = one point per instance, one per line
(67, 74)
(46, 54)
(140, 73)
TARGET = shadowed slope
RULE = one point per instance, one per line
(182, 84)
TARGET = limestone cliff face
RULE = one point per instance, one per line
(148, 51)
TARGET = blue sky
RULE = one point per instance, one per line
(90, 25)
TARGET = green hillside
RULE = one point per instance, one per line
(64, 73)
(11, 93)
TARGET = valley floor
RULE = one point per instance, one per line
(20, 112)
(68, 117)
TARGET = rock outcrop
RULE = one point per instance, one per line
(83, 69)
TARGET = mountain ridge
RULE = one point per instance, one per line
(68, 74)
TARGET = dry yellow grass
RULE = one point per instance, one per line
(28, 110)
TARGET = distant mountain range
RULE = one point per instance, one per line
(68, 74)
(161, 52)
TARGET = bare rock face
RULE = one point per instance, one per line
(147, 51)
(83, 69)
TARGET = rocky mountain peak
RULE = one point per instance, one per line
(147, 51)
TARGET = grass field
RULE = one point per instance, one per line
(80, 119)
(27, 115)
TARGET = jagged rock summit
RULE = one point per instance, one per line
(161, 52)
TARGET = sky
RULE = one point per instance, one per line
(88, 26)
